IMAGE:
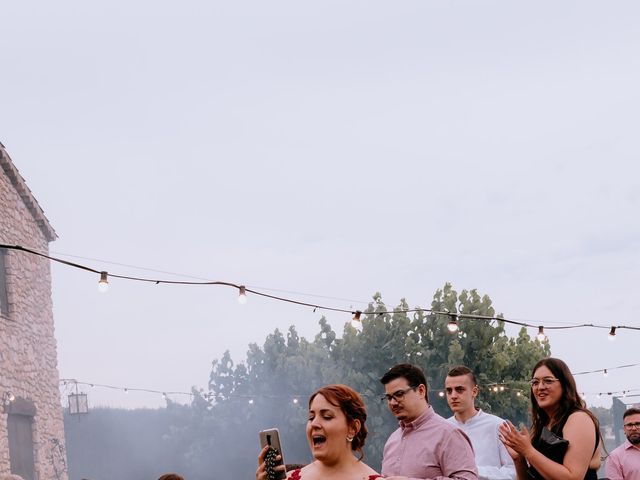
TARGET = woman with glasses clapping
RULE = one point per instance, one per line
(565, 436)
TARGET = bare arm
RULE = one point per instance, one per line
(579, 431)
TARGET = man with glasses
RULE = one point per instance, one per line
(624, 462)
(492, 459)
(425, 446)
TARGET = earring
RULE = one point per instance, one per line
(349, 438)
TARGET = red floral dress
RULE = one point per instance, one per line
(295, 475)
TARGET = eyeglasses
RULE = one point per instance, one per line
(398, 395)
(546, 381)
(632, 426)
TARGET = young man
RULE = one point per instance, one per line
(624, 462)
(425, 446)
(492, 459)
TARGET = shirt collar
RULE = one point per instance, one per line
(628, 445)
(471, 419)
(418, 422)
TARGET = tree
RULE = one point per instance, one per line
(291, 368)
(216, 436)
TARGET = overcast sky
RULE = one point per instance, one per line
(334, 148)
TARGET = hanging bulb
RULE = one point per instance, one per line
(103, 283)
(502, 388)
(251, 401)
(624, 393)
(541, 336)
(612, 334)
(164, 395)
(599, 395)
(518, 394)
(495, 389)
(126, 390)
(355, 321)
(452, 326)
(242, 295)
(295, 400)
(441, 393)
(605, 373)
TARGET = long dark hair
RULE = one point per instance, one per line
(570, 401)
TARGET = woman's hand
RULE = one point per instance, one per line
(261, 473)
(517, 442)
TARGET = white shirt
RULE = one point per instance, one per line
(492, 459)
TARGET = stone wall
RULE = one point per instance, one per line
(28, 358)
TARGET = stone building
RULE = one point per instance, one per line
(31, 418)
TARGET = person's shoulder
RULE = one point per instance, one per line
(578, 417)
(619, 450)
(489, 417)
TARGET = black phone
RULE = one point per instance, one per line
(271, 437)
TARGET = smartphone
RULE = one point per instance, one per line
(271, 437)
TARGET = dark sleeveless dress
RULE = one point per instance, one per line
(551, 444)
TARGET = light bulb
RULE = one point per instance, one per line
(103, 283)
(518, 394)
(355, 321)
(251, 401)
(502, 388)
(612, 334)
(164, 395)
(541, 336)
(441, 394)
(242, 296)
(452, 326)
(605, 373)
(295, 400)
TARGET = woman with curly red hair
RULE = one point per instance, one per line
(336, 433)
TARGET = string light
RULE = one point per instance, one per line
(251, 401)
(295, 400)
(605, 373)
(612, 334)
(242, 295)
(452, 326)
(355, 321)
(103, 283)
(441, 394)
(241, 288)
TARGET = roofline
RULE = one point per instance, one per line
(26, 195)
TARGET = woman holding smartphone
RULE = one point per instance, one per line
(565, 436)
(336, 432)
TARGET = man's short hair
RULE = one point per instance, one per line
(460, 370)
(631, 411)
(414, 375)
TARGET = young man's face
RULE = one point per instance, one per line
(461, 394)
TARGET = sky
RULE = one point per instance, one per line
(330, 148)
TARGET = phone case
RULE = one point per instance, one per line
(271, 437)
